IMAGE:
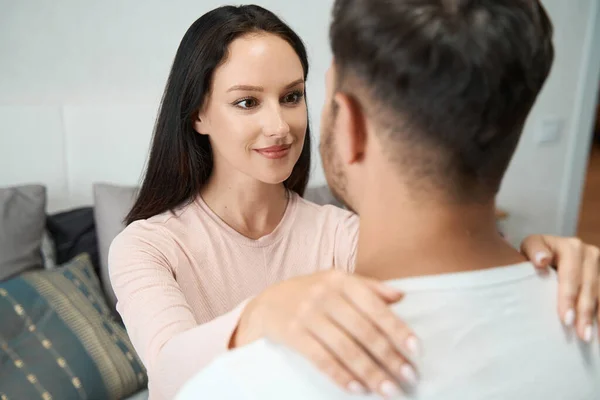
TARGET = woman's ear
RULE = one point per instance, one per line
(351, 133)
(201, 123)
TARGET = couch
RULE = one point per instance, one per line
(60, 336)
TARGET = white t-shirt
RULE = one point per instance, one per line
(488, 334)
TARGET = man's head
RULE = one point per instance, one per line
(436, 91)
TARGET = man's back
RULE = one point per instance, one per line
(488, 334)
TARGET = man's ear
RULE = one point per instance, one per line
(351, 134)
(201, 123)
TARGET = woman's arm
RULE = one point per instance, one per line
(143, 262)
(188, 352)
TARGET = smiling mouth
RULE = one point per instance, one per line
(274, 152)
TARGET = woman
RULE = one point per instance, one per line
(220, 220)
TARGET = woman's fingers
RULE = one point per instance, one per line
(569, 256)
(587, 300)
(381, 316)
(566, 255)
(386, 292)
(343, 325)
(536, 249)
(326, 362)
(353, 356)
(578, 267)
(368, 336)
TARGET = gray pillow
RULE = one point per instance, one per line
(111, 205)
(321, 195)
(22, 222)
(48, 250)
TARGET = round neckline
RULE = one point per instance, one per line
(467, 279)
(264, 241)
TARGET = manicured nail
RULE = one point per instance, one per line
(356, 388)
(587, 334)
(392, 291)
(409, 375)
(541, 257)
(570, 317)
(412, 343)
(388, 389)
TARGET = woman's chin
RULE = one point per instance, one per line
(276, 177)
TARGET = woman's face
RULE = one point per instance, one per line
(255, 114)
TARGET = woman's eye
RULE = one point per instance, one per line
(293, 97)
(247, 103)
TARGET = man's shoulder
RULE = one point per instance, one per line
(214, 382)
(261, 370)
(478, 325)
(227, 376)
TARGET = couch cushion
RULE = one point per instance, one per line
(22, 220)
(58, 339)
(73, 232)
(321, 195)
(111, 205)
(48, 250)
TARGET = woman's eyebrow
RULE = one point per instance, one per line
(250, 88)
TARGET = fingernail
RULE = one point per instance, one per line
(541, 257)
(587, 334)
(412, 343)
(356, 388)
(392, 291)
(388, 389)
(409, 375)
(569, 317)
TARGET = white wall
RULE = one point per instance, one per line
(538, 189)
(80, 83)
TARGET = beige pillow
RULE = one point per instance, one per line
(22, 222)
(111, 205)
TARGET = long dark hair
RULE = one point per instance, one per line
(181, 160)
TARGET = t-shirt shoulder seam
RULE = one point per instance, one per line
(161, 230)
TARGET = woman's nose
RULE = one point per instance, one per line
(276, 125)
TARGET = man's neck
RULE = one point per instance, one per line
(402, 238)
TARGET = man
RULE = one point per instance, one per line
(426, 103)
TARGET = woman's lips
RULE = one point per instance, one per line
(274, 152)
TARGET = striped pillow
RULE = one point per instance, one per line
(58, 339)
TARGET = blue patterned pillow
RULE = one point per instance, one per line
(59, 341)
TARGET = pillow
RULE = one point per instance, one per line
(59, 341)
(22, 220)
(111, 205)
(74, 232)
(321, 195)
(48, 250)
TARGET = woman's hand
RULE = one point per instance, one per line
(578, 267)
(340, 322)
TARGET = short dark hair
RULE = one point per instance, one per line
(181, 160)
(452, 79)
